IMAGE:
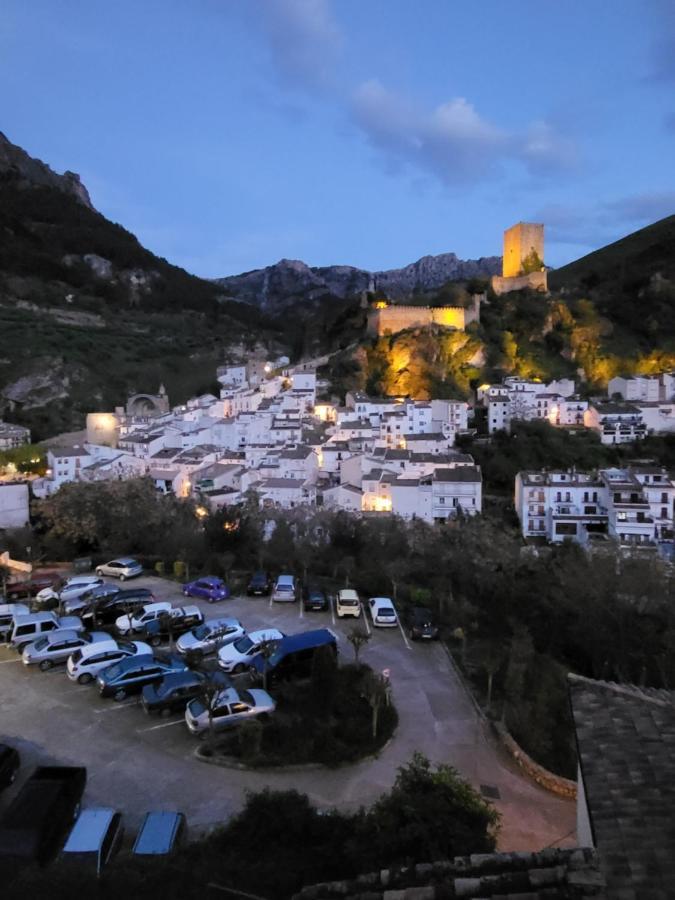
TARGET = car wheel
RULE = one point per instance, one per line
(84, 678)
(46, 664)
(239, 669)
(123, 577)
(165, 712)
(119, 694)
(99, 572)
(155, 641)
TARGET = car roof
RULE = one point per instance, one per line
(226, 620)
(82, 579)
(89, 830)
(132, 662)
(14, 609)
(211, 579)
(157, 832)
(348, 594)
(306, 639)
(265, 634)
(285, 579)
(187, 676)
(98, 646)
(123, 559)
(34, 617)
(382, 601)
(62, 634)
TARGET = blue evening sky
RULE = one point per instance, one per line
(227, 134)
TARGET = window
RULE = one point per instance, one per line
(664, 497)
(664, 512)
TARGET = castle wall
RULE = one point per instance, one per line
(398, 318)
(535, 281)
(519, 241)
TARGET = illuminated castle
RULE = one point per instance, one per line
(384, 317)
(523, 260)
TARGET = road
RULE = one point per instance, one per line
(138, 763)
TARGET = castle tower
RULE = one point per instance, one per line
(520, 242)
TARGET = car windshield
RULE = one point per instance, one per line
(76, 656)
(243, 644)
(202, 632)
(127, 645)
(246, 697)
(348, 602)
(386, 611)
(41, 643)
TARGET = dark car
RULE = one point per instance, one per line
(173, 693)
(292, 656)
(131, 675)
(111, 608)
(421, 624)
(208, 588)
(314, 599)
(173, 624)
(9, 765)
(96, 595)
(260, 585)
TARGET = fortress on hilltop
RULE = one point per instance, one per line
(523, 260)
(384, 317)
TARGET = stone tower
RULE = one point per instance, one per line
(519, 242)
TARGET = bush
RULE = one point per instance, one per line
(159, 567)
(179, 569)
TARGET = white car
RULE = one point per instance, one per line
(382, 612)
(71, 589)
(85, 664)
(209, 637)
(135, 622)
(7, 613)
(229, 708)
(55, 647)
(122, 568)
(236, 657)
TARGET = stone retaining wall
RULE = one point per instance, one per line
(554, 783)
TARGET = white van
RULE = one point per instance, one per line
(284, 589)
(140, 618)
(94, 840)
(26, 629)
(347, 604)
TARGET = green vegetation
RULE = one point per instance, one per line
(280, 842)
(328, 720)
(27, 459)
(532, 263)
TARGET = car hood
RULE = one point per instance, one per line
(262, 699)
(46, 594)
(188, 641)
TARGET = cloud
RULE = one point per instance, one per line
(304, 39)
(645, 207)
(453, 141)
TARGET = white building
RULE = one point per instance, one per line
(13, 436)
(14, 497)
(652, 388)
(616, 423)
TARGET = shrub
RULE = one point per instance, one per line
(179, 569)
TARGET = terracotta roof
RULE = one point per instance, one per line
(626, 746)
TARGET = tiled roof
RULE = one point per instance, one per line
(461, 473)
(550, 874)
(62, 452)
(626, 745)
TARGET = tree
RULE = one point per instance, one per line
(210, 690)
(375, 691)
(358, 638)
(532, 262)
(266, 652)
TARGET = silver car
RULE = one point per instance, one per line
(210, 636)
(229, 708)
(55, 647)
(7, 613)
(121, 568)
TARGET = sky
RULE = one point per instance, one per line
(228, 134)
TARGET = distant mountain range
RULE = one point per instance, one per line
(289, 281)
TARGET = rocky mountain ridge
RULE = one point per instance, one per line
(281, 285)
(25, 171)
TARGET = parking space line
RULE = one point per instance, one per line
(116, 706)
(405, 639)
(271, 601)
(163, 725)
(332, 610)
(365, 622)
(3, 662)
(301, 611)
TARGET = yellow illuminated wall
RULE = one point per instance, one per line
(519, 241)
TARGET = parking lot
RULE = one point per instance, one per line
(137, 763)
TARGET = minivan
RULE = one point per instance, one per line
(284, 589)
(29, 628)
(8, 611)
(293, 656)
(161, 833)
(347, 604)
(94, 839)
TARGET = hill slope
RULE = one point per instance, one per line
(87, 314)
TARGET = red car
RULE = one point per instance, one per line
(32, 586)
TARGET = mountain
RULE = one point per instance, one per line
(88, 315)
(290, 281)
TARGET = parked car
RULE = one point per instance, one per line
(209, 637)
(314, 599)
(137, 621)
(207, 588)
(121, 568)
(161, 833)
(382, 612)
(78, 604)
(35, 823)
(38, 581)
(347, 603)
(9, 765)
(172, 624)
(31, 627)
(229, 708)
(124, 601)
(8, 612)
(421, 624)
(174, 691)
(94, 840)
(293, 656)
(57, 646)
(68, 590)
(85, 664)
(284, 589)
(236, 657)
(130, 675)
(259, 585)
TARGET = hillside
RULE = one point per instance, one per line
(87, 314)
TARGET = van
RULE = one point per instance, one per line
(94, 840)
(293, 656)
(284, 589)
(7, 613)
(161, 833)
(347, 604)
(27, 629)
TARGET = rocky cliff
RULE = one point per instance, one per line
(281, 285)
(27, 172)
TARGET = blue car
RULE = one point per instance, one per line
(208, 588)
